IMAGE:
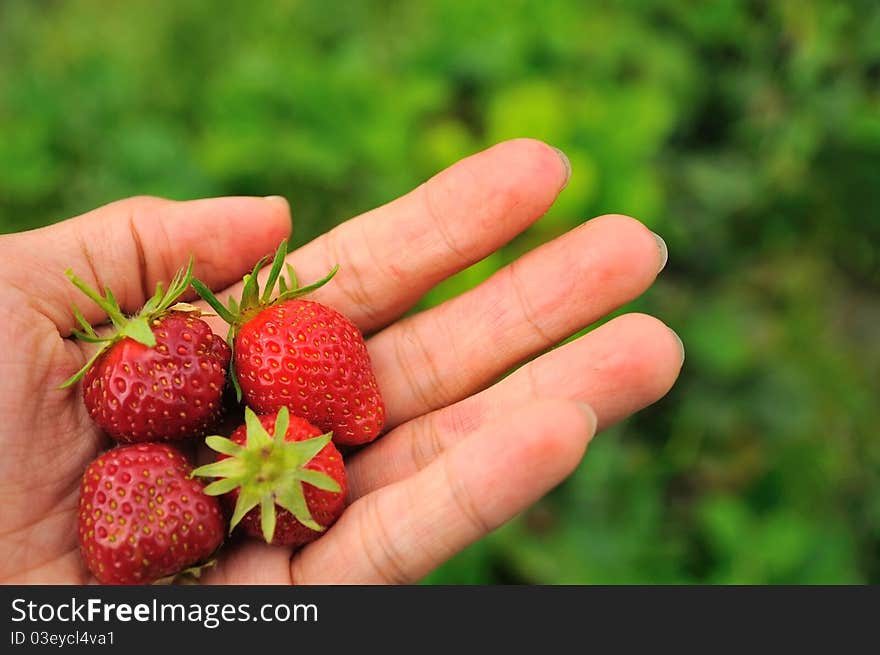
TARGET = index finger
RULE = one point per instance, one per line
(391, 256)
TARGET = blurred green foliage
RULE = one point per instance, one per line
(746, 133)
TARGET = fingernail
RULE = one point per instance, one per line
(680, 343)
(280, 200)
(565, 163)
(664, 253)
(590, 414)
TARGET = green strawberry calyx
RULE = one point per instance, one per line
(267, 470)
(189, 575)
(135, 327)
(252, 301)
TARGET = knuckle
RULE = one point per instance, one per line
(378, 546)
(465, 503)
(436, 194)
(533, 318)
(351, 282)
(420, 367)
(426, 443)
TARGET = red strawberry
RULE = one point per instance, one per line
(160, 376)
(303, 355)
(141, 516)
(309, 357)
(285, 479)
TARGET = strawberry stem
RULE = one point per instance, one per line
(274, 272)
(252, 301)
(267, 472)
(135, 327)
(189, 576)
(228, 315)
(107, 303)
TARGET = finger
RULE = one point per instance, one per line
(400, 533)
(250, 563)
(618, 368)
(391, 256)
(439, 356)
(132, 244)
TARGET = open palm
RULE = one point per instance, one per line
(463, 452)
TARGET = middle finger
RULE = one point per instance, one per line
(446, 353)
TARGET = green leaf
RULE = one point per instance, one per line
(225, 468)
(282, 422)
(76, 377)
(116, 317)
(208, 296)
(152, 304)
(230, 340)
(189, 576)
(261, 262)
(275, 271)
(294, 501)
(294, 292)
(179, 283)
(224, 445)
(82, 336)
(86, 326)
(292, 280)
(267, 517)
(319, 480)
(257, 437)
(247, 500)
(220, 487)
(138, 328)
(307, 449)
(250, 294)
(110, 307)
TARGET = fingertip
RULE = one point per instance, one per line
(680, 345)
(623, 254)
(277, 200)
(643, 357)
(590, 414)
(569, 445)
(279, 221)
(234, 233)
(566, 165)
(538, 163)
(663, 251)
(560, 431)
(280, 207)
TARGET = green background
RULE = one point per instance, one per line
(746, 133)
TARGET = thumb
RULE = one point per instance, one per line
(132, 244)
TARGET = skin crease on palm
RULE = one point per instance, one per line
(462, 452)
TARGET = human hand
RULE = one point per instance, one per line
(462, 453)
